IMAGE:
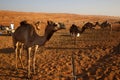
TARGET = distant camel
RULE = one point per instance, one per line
(7, 29)
(37, 25)
(76, 31)
(90, 25)
(26, 37)
(105, 25)
(4, 27)
(118, 22)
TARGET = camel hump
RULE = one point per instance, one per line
(23, 23)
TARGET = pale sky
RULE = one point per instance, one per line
(84, 7)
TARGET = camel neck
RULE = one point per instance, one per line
(41, 40)
(82, 30)
(49, 35)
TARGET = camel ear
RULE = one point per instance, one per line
(49, 22)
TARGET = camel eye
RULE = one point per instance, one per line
(55, 24)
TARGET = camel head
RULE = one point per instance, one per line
(52, 26)
(37, 23)
(97, 23)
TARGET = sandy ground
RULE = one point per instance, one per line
(96, 56)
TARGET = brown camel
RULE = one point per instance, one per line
(74, 30)
(90, 25)
(105, 25)
(26, 37)
(117, 22)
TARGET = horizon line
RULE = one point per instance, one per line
(60, 13)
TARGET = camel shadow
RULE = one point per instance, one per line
(7, 50)
(12, 73)
(116, 49)
(67, 48)
(101, 63)
(66, 35)
(3, 34)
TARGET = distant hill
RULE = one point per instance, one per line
(6, 17)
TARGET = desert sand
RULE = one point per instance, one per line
(96, 53)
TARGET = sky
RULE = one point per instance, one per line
(84, 7)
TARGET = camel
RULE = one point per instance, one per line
(4, 27)
(7, 30)
(37, 25)
(25, 37)
(105, 24)
(90, 25)
(117, 22)
(74, 30)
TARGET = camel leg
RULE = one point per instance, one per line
(34, 57)
(20, 57)
(14, 41)
(16, 51)
(29, 52)
(110, 29)
(75, 40)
